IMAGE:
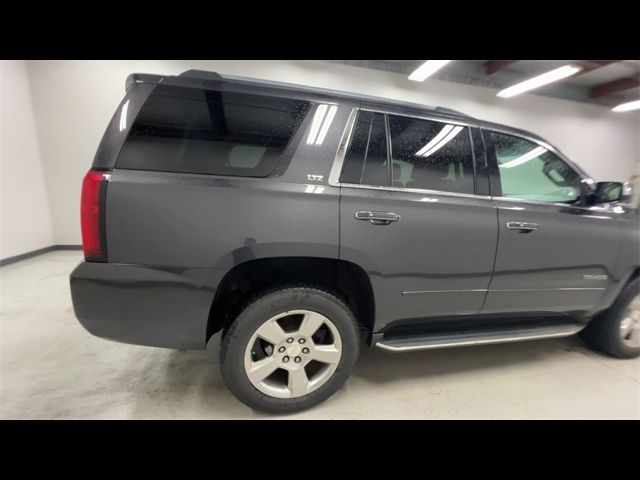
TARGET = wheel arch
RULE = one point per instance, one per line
(346, 279)
(612, 294)
(635, 274)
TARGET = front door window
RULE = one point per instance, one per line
(529, 171)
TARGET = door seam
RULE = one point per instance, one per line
(495, 257)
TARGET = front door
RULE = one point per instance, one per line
(410, 216)
(554, 253)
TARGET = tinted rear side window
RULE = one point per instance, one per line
(212, 132)
(431, 155)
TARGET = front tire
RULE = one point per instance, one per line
(617, 330)
(289, 349)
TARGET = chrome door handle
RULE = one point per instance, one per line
(378, 218)
(522, 227)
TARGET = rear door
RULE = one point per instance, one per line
(554, 253)
(415, 213)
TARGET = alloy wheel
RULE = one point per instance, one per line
(292, 354)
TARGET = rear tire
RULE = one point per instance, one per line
(616, 331)
(289, 349)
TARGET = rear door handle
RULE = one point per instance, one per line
(522, 227)
(377, 218)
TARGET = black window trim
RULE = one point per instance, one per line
(387, 133)
(345, 142)
(481, 165)
(366, 148)
(473, 161)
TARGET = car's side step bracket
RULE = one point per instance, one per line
(450, 339)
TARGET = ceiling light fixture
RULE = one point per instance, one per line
(427, 69)
(540, 80)
(627, 107)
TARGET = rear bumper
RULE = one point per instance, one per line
(144, 305)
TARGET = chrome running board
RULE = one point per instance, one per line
(444, 340)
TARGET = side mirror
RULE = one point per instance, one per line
(627, 192)
(608, 192)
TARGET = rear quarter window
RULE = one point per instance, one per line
(211, 132)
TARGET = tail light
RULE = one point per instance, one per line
(94, 187)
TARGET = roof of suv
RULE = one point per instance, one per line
(206, 79)
(202, 78)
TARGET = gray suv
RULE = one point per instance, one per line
(303, 223)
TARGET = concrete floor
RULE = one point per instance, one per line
(52, 368)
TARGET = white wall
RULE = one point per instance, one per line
(25, 221)
(74, 101)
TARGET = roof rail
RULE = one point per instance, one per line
(201, 75)
(452, 111)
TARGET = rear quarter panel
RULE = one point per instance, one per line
(195, 220)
